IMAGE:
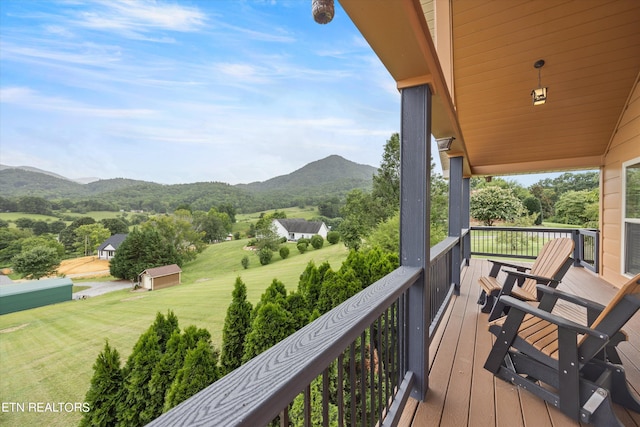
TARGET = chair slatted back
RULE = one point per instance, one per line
(620, 309)
(550, 260)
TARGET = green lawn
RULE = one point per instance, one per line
(243, 220)
(12, 216)
(47, 354)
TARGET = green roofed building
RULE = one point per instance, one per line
(36, 293)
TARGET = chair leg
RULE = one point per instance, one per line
(620, 392)
(487, 303)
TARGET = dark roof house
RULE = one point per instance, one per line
(108, 249)
(297, 228)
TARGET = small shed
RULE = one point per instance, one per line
(160, 277)
(35, 293)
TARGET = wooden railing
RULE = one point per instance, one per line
(520, 242)
(347, 367)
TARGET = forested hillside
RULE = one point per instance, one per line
(331, 177)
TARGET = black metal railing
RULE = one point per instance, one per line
(521, 242)
(348, 367)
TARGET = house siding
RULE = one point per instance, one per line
(625, 146)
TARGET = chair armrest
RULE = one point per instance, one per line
(506, 264)
(538, 279)
(561, 322)
(583, 302)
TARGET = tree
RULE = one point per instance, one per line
(134, 407)
(302, 247)
(386, 183)
(89, 237)
(264, 255)
(34, 205)
(333, 237)
(237, 324)
(200, 369)
(115, 225)
(245, 262)
(142, 249)
(68, 236)
(24, 223)
(177, 231)
(317, 241)
(578, 207)
(105, 391)
(46, 240)
(534, 207)
(271, 324)
(40, 227)
(284, 252)
(493, 203)
(36, 263)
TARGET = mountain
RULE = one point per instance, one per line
(318, 181)
(333, 170)
(32, 169)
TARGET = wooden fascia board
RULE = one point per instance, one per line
(374, 18)
(575, 163)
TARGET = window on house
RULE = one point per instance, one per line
(631, 222)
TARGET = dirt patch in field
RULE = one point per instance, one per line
(87, 266)
(133, 298)
(15, 328)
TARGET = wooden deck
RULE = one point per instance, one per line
(463, 393)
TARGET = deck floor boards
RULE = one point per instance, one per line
(463, 393)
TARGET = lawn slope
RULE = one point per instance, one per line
(47, 354)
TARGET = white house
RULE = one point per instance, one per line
(108, 249)
(296, 228)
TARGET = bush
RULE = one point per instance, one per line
(302, 246)
(303, 240)
(317, 241)
(284, 252)
(264, 255)
(283, 240)
(236, 235)
(245, 262)
(252, 242)
(333, 237)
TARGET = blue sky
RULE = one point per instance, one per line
(176, 92)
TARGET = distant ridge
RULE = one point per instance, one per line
(85, 180)
(318, 181)
(329, 170)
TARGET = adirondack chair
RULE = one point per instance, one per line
(563, 362)
(552, 263)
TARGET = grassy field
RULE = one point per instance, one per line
(47, 353)
(97, 215)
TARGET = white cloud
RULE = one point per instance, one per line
(29, 98)
(132, 18)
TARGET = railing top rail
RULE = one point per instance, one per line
(258, 390)
(531, 229)
(440, 249)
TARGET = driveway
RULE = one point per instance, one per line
(99, 288)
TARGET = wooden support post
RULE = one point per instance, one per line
(455, 217)
(415, 177)
(466, 217)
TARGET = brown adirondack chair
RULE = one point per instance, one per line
(552, 263)
(573, 367)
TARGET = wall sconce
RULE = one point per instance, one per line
(444, 144)
(539, 94)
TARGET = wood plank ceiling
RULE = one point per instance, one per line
(592, 54)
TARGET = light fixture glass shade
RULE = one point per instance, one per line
(444, 144)
(539, 95)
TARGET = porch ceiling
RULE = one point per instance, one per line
(592, 54)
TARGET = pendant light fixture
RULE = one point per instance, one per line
(539, 94)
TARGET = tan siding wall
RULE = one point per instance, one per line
(624, 146)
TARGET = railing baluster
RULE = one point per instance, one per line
(340, 390)
(363, 379)
(325, 398)
(307, 405)
(352, 380)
